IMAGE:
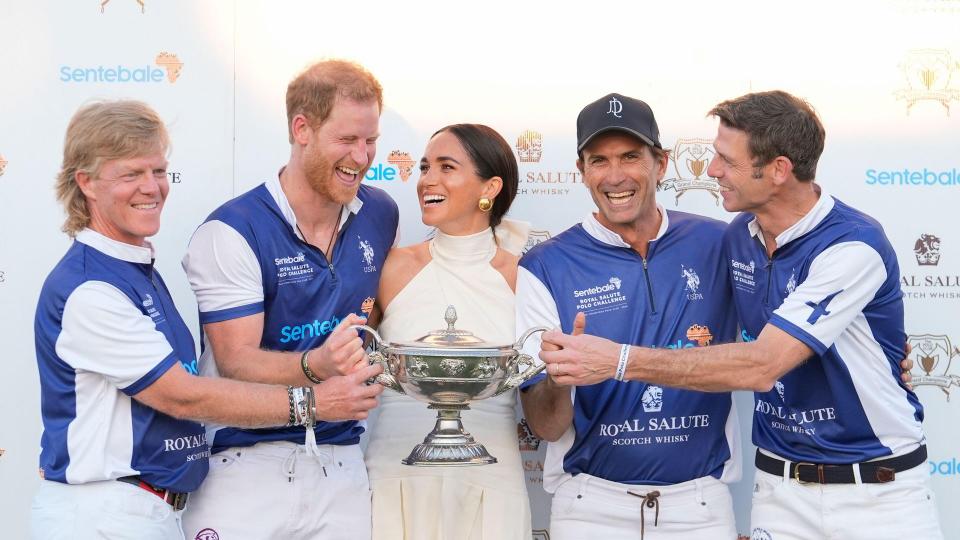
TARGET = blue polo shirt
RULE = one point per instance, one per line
(248, 258)
(834, 284)
(678, 297)
(106, 329)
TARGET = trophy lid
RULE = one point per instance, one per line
(450, 336)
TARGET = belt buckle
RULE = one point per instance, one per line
(796, 473)
(177, 500)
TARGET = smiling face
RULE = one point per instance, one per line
(622, 174)
(733, 168)
(126, 197)
(449, 188)
(338, 152)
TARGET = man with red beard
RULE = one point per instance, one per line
(280, 272)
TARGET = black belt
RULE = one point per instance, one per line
(177, 500)
(871, 472)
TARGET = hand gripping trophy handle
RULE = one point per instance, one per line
(527, 366)
(377, 357)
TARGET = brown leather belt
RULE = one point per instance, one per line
(871, 472)
(177, 500)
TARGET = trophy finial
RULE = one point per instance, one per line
(450, 316)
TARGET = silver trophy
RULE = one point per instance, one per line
(448, 369)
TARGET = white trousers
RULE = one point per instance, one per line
(784, 509)
(278, 490)
(101, 510)
(589, 507)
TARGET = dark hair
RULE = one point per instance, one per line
(492, 156)
(778, 124)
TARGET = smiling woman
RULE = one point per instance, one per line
(468, 179)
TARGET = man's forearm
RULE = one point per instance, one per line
(252, 364)
(717, 368)
(548, 409)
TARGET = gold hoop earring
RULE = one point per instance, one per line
(485, 204)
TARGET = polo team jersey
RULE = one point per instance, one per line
(248, 258)
(106, 329)
(834, 284)
(633, 432)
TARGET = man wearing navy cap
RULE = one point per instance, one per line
(817, 288)
(631, 459)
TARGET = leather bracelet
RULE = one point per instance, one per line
(291, 421)
(306, 368)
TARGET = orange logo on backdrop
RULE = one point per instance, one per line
(530, 146)
(403, 162)
(143, 8)
(171, 63)
(3, 164)
(700, 334)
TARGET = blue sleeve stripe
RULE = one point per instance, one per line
(230, 313)
(151, 376)
(798, 333)
(524, 386)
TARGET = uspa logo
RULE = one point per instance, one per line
(535, 237)
(928, 76)
(690, 158)
(933, 355)
(143, 7)
(926, 282)
(3, 164)
(529, 147)
(403, 162)
(166, 66)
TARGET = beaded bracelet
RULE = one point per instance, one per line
(291, 421)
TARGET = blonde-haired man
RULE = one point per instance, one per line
(117, 362)
(275, 271)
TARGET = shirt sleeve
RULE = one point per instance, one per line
(224, 273)
(535, 307)
(842, 280)
(103, 332)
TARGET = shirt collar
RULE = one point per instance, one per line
(276, 191)
(118, 250)
(806, 224)
(595, 229)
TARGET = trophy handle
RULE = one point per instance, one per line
(527, 366)
(377, 357)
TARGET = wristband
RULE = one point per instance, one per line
(622, 363)
(306, 368)
(291, 421)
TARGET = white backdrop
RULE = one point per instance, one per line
(883, 75)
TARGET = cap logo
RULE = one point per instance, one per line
(615, 107)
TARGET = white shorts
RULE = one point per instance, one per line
(784, 509)
(101, 510)
(277, 490)
(589, 507)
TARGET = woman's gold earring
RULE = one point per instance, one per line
(485, 204)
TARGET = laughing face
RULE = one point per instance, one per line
(340, 150)
(744, 187)
(622, 174)
(126, 197)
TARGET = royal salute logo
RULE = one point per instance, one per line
(535, 237)
(143, 7)
(927, 250)
(690, 158)
(933, 356)
(367, 306)
(528, 441)
(652, 399)
(3, 164)
(925, 282)
(529, 147)
(403, 162)
(928, 75)
(779, 387)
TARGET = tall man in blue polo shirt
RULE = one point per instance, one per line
(816, 286)
(278, 273)
(631, 459)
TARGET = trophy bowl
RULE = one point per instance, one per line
(448, 369)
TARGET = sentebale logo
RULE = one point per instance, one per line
(166, 65)
(616, 107)
(820, 310)
(403, 162)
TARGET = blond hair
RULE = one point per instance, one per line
(315, 90)
(99, 132)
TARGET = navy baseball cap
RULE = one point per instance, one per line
(616, 112)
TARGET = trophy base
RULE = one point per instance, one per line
(448, 445)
